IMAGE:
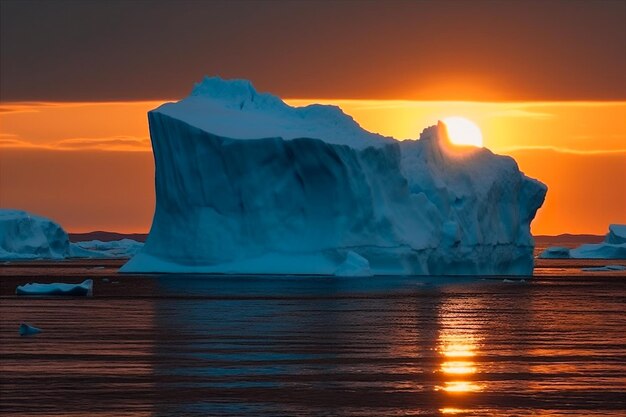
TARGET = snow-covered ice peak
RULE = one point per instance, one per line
(235, 94)
(235, 109)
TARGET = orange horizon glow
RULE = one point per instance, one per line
(578, 148)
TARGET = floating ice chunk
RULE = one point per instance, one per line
(28, 330)
(555, 252)
(85, 288)
(354, 266)
(605, 268)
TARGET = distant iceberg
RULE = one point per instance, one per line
(247, 184)
(555, 252)
(123, 248)
(613, 247)
(25, 236)
(607, 268)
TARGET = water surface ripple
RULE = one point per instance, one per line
(268, 346)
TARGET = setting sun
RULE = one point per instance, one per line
(462, 131)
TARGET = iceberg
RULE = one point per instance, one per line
(607, 268)
(599, 251)
(555, 252)
(27, 236)
(616, 235)
(613, 247)
(123, 248)
(85, 288)
(248, 184)
(28, 330)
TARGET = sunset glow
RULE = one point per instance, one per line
(573, 147)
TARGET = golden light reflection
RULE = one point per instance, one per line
(452, 410)
(461, 387)
(458, 367)
(457, 352)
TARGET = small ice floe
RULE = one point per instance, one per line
(514, 281)
(85, 288)
(605, 268)
(28, 330)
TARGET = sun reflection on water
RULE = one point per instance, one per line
(457, 365)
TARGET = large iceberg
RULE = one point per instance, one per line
(247, 184)
(613, 247)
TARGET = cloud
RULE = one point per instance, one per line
(116, 143)
(561, 150)
(523, 113)
(6, 141)
(119, 143)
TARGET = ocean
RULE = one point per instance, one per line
(150, 345)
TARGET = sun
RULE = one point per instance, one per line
(464, 132)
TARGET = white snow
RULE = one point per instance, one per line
(247, 184)
(28, 330)
(354, 266)
(27, 236)
(234, 109)
(56, 288)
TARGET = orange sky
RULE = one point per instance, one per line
(89, 165)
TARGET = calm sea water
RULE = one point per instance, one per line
(554, 345)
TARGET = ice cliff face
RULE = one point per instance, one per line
(247, 184)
